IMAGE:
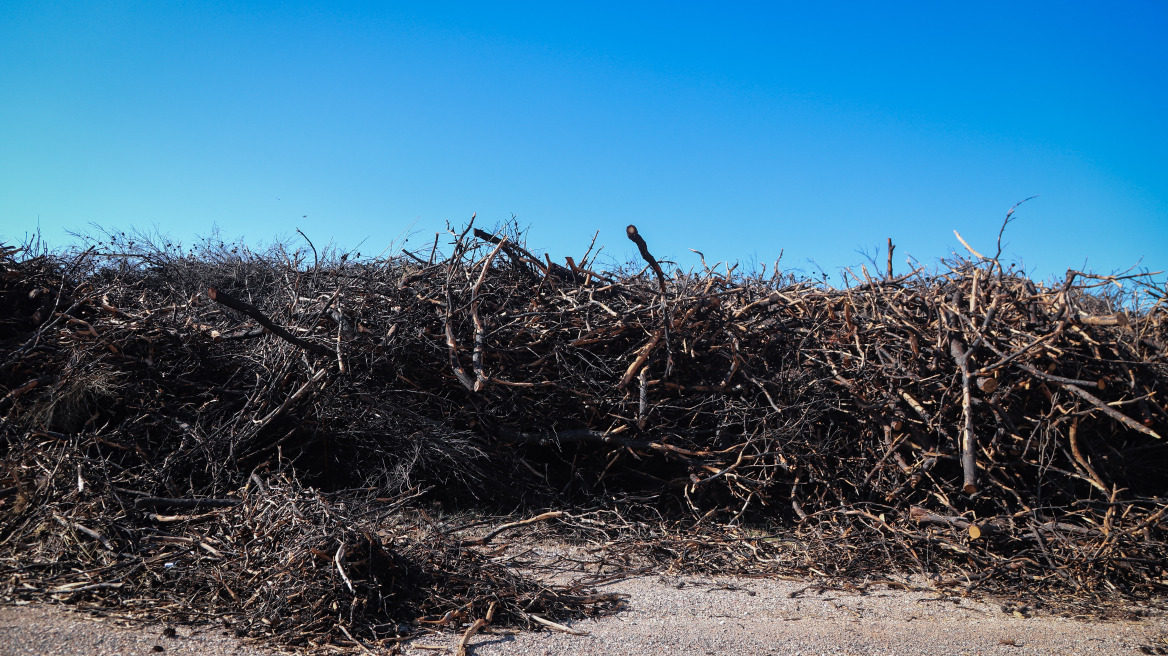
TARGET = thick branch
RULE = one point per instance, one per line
(223, 298)
(636, 238)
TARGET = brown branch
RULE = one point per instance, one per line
(636, 238)
(189, 504)
(968, 437)
(464, 642)
(519, 254)
(640, 360)
(477, 356)
(225, 299)
(452, 347)
(1092, 399)
(1073, 438)
(495, 533)
(32, 384)
(922, 516)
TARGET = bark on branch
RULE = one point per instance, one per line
(636, 238)
(225, 299)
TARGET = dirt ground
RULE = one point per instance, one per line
(670, 615)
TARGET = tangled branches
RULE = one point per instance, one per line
(969, 423)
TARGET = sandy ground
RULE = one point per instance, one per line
(57, 630)
(692, 615)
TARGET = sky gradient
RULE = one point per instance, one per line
(813, 129)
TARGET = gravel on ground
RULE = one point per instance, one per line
(682, 615)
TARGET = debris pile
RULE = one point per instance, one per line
(263, 435)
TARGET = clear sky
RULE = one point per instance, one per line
(739, 129)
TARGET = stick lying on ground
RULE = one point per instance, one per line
(495, 533)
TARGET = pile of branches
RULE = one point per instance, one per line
(967, 423)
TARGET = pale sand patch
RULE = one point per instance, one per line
(686, 615)
(58, 630)
(717, 615)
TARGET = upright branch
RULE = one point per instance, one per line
(636, 238)
(1001, 231)
(448, 316)
(477, 357)
(968, 437)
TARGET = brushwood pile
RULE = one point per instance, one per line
(297, 442)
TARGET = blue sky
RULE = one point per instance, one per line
(815, 129)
